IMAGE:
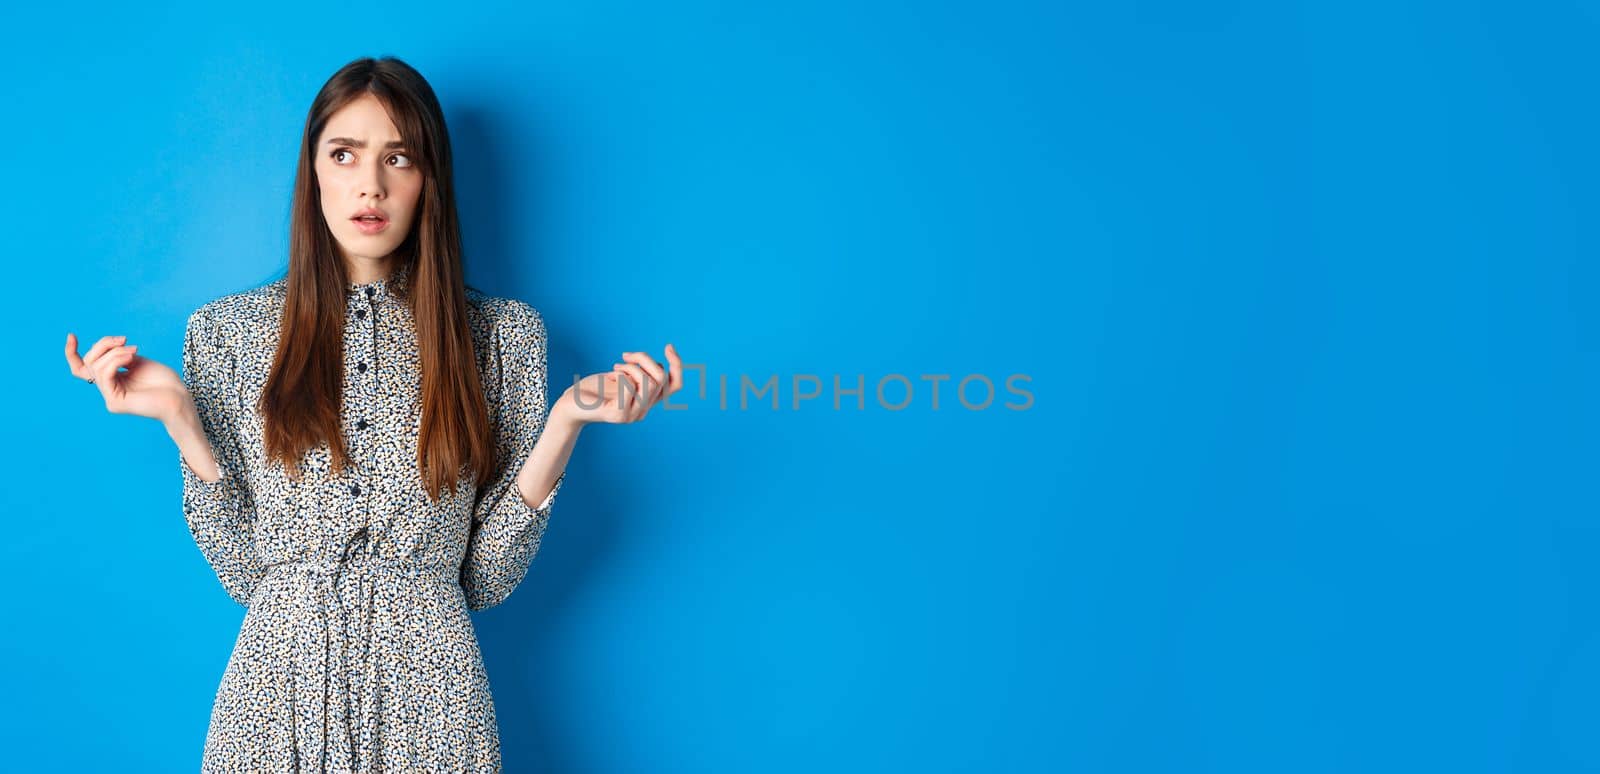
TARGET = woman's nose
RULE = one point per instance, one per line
(372, 182)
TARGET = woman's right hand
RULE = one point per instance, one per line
(146, 389)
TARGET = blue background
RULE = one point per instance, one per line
(1305, 292)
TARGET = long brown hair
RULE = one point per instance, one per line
(300, 403)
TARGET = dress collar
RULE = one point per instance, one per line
(381, 288)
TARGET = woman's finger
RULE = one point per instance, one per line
(113, 359)
(617, 383)
(105, 368)
(652, 387)
(100, 349)
(674, 370)
(635, 375)
(646, 392)
(85, 365)
(73, 361)
(622, 382)
(620, 371)
(105, 343)
(97, 368)
(643, 360)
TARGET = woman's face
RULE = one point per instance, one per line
(362, 164)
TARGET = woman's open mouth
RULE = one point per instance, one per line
(370, 224)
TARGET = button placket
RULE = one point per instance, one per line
(359, 399)
(364, 386)
(369, 386)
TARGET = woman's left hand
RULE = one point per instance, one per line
(626, 393)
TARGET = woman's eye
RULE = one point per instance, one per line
(336, 153)
(402, 156)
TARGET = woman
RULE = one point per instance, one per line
(366, 452)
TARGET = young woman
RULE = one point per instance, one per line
(366, 452)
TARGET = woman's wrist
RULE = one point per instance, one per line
(563, 415)
(182, 418)
(187, 431)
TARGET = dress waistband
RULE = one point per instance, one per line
(404, 567)
(358, 553)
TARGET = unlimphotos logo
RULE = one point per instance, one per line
(889, 386)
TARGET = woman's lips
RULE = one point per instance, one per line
(370, 226)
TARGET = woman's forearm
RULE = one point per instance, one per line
(185, 429)
(549, 456)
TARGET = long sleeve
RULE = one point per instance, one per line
(505, 531)
(221, 513)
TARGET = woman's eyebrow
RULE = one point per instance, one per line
(361, 143)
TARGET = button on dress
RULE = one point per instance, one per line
(357, 653)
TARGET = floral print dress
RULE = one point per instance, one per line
(357, 653)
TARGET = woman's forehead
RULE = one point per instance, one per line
(365, 121)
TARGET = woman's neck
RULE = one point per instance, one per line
(364, 270)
